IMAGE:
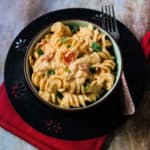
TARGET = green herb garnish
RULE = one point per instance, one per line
(64, 40)
(74, 28)
(66, 69)
(93, 69)
(96, 47)
(86, 86)
(59, 95)
(40, 52)
(51, 72)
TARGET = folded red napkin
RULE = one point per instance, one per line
(146, 44)
(11, 121)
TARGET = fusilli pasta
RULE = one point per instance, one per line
(72, 68)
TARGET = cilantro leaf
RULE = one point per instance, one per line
(64, 39)
(96, 47)
(86, 86)
(59, 95)
(51, 72)
(40, 52)
(74, 28)
(66, 69)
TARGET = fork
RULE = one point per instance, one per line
(109, 23)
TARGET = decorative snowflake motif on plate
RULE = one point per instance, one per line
(97, 17)
(20, 45)
(53, 126)
(18, 90)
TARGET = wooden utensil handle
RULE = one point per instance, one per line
(128, 105)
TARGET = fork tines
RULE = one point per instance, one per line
(109, 22)
(108, 18)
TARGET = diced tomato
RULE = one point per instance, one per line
(68, 57)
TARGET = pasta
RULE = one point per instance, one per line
(72, 67)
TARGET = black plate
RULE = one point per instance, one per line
(80, 125)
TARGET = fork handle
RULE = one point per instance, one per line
(128, 106)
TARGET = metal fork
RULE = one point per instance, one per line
(109, 23)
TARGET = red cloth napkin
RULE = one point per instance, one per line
(146, 44)
(11, 121)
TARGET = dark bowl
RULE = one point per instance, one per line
(27, 69)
